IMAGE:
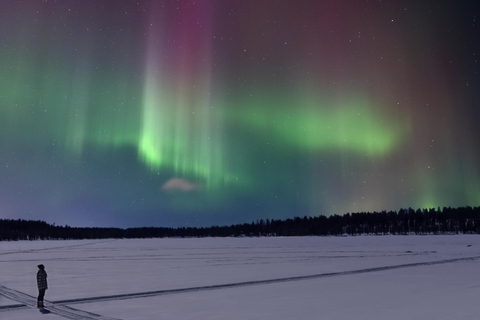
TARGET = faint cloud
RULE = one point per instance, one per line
(179, 184)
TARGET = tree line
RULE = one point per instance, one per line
(406, 221)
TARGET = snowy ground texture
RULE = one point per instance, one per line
(367, 277)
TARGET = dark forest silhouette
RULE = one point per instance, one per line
(406, 221)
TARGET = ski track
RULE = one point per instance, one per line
(258, 282)
(51, 248)
(60, 310)
(59, 307)
(219, 261)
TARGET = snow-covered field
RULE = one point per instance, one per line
(368, 277)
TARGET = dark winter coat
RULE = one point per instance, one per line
(42, 279)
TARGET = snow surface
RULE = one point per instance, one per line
(365, 277)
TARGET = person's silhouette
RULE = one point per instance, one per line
(42, 284)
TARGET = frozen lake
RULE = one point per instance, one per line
(366, 277)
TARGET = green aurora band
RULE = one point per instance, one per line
(183, 131)
(313, 125)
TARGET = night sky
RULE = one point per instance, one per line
(197, 113)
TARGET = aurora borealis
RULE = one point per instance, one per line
(176, 113)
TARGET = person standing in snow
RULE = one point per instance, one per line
(42, 284)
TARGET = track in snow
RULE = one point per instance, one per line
(26, 300)
(51, 248)
(257, 282)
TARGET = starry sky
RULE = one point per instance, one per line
(213, 112)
